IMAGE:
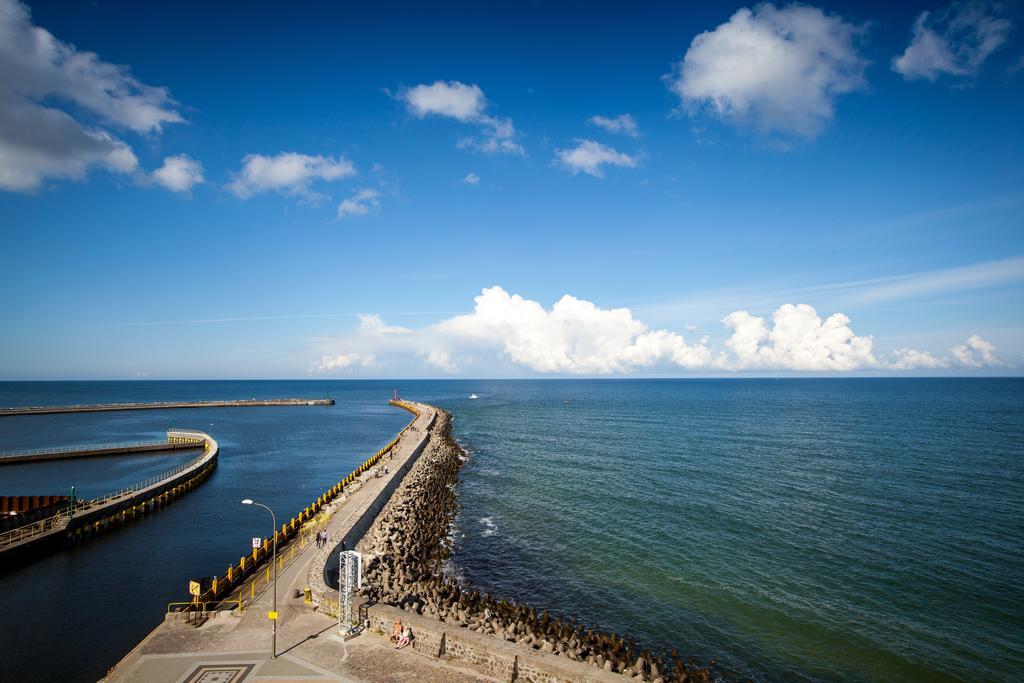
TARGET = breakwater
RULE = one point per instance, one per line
(406, 553)
(162, 405)
(251, 573)
(44, 454)
(89, 517)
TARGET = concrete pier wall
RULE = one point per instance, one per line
(43, 455)
(106, 407)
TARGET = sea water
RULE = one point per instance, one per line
(819, 529)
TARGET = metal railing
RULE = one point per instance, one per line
(61, 519)
(58, 521)
(135, 488)
(78, 449)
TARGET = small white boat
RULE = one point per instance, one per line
(473, 396)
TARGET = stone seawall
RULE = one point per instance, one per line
(484, 654)
(404, 554)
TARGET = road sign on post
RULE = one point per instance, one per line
(194, 588)
(257, 541)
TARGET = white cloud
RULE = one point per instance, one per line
(912, 359)
(778, 70)
(360, 203)
(589, 156)
(457, 100)
(345, 361)
(289, 173)
(179, 173)
(471, 179)
(623, 123)
(39, 76)
(955, 41)
(797, 340)
(466, 103)
(441, 360)
(976, 353)
(956, 279)
(575, 337)
(578, 337)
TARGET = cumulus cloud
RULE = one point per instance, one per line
(589, 156)
(955, 41)
(40, 137)
(912, 359)
(798, 340)
(289, 173)
(360, 203)
(345, 361)
(573, 337)
(471, 179)
(778, 70)
(179, 173)
(466, 103)
(461, 101)
(578, 337)
(623, 123)
(976, 353)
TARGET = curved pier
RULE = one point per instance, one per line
(44, 454)
(161, 405)
(93, 516)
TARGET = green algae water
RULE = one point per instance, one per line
(849, 529)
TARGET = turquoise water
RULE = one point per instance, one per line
(799, 529)
(791, 530)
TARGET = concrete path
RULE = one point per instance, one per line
(233, 648)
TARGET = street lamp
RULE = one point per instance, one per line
(273, 533)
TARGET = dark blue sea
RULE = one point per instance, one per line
(798, 529)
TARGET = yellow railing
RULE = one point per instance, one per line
(285, 556)
(245, 573)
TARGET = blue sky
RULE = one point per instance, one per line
(394, 190)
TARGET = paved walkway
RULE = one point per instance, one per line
(232, 648)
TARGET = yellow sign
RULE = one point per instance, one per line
(272, 616)
(194, 588)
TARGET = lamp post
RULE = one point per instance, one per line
(273, 533)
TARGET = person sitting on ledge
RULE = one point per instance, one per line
(405, 639)
(396, 632)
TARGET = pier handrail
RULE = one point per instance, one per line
(22, 532)
(85, 447)
(135, 488)
(61, 519)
